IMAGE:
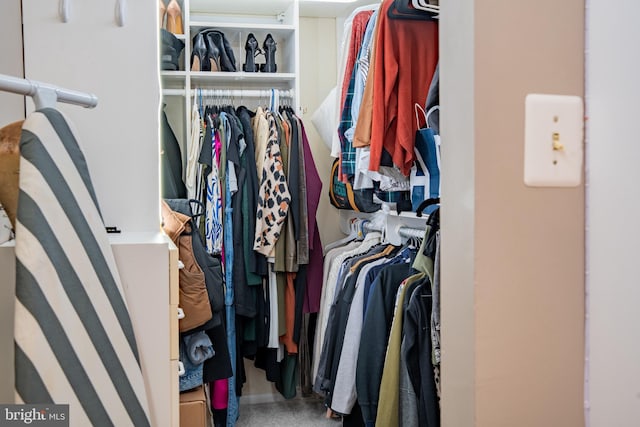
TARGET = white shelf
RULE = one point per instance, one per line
(173, 79)
(224, 77)
(275, 29)
(173, 75)
(240, 7)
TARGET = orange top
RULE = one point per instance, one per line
(362, 135)
(405, 61)
(290, 314)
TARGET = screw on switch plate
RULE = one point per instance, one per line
(553, 140)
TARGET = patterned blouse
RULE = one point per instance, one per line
(273, 197)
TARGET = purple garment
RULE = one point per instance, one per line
(314, 274)
(316, 258)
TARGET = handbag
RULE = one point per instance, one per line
(425, 173)
(343, 196)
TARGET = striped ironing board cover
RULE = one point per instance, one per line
(74, 341)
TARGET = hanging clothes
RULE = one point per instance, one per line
(230, 188)
(344, 54)
(193, 172)
(171, 163)
(273, 197)
(210, 157)
(328, 294)
(401, 80)
(389, 402)
(376, 364)
(262, 194)
(313, 289)
(347, 158)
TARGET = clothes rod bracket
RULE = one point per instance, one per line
(44, 94)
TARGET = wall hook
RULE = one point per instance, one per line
(64, 10)
(121, 9)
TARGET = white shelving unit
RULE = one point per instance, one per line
(280, 18)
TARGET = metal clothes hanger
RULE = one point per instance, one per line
(424, 5)
(400, 10)
(357, 231)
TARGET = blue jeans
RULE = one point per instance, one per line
(232, 409)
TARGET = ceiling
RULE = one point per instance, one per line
(320, 8)
(313, 8)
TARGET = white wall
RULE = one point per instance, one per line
(512, 297)
(457, 30)
(613, 212)
(11, 105)
(120, 65)
(318, 54)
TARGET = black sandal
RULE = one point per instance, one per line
(269, 47)
(252, 49)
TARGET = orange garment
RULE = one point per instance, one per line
(10, 168)
(406, 59)
(362, 135)
(287, 132)
(290, 314)
(358, 27)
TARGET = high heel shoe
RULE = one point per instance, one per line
(252, 49)
(269, 48)
(227, 58)
(174, 18)
(217, 43)
(162, 12)
(200, 55)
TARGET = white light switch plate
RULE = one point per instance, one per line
(546, 116)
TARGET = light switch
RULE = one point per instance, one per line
(553, 143)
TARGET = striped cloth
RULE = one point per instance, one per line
(74, 341)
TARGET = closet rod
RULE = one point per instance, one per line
(403, 230)
(411, 232)
(45, 94)
(232, 93)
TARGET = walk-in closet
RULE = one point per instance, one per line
(238, 84)
(316, 213)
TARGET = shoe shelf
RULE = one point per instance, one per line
(220, 79)
(284, 55)
(173, 75)
(236, 19)
(277, 30)
(260, 10)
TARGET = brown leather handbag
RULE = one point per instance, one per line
(194, 299)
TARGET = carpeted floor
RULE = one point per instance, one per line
(295, 413)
